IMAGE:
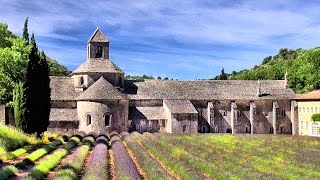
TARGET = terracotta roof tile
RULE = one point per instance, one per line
(313, 95)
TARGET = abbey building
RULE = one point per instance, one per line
(97, 98)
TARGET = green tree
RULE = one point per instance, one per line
(25, 34)
(32, 89)
(5, 34)
(45, 101)
(267, 59)
(19, 105)
(223, 75)
(13, 62)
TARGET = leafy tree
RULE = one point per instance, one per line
(5, 34)
(267, 59)
(19, 105)
(166, 78)
(159, 78)
(25, 34)
(13, 62)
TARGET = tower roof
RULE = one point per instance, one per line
(97, 66)
(101, 90)
(98, 36)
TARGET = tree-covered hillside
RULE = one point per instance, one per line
(303, 67)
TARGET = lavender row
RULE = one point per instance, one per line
(124, 166)
(97, 166)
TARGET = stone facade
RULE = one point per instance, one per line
(96, 98)
(2, 114)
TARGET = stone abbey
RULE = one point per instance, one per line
(97, 98)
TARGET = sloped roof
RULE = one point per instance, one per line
(98, 36)
(180, 106)
(62, 88)
(101, 90)
(97, 66)
(63, 114)
(313, 95)
(209, 89)
(150, 113)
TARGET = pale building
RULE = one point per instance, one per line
(308, 104)
(96, 97)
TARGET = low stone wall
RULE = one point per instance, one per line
(2, 114)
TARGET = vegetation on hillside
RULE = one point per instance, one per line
(303, 67)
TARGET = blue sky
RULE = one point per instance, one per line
(190, 39)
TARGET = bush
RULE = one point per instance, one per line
(315, 117)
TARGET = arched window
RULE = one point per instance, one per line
(89, 119)
(107, 120)
(98, 52)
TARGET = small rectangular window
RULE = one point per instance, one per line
(184, 128)
(301, 124)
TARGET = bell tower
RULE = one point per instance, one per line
(98, 46)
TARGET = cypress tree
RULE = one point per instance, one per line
(25, 34)
(32, 89)
(44, 93)
(19, 104)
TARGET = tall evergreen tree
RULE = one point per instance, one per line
(25, 34)
(32, 89)
(19, 105)
(44, 93)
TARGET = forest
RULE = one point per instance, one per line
(301, 65)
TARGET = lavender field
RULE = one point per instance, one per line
(164, 156)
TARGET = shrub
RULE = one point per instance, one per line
(315, 117)
(97, 166)
(8, 171)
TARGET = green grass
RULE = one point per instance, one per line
(52, 160)
(246, 156)
(18, 152)
(12, 138)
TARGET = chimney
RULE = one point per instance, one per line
(259, 89)
(286, 80)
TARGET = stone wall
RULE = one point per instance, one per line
(2, 114)
(118, 111)
(65, 126)
(184, 123)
